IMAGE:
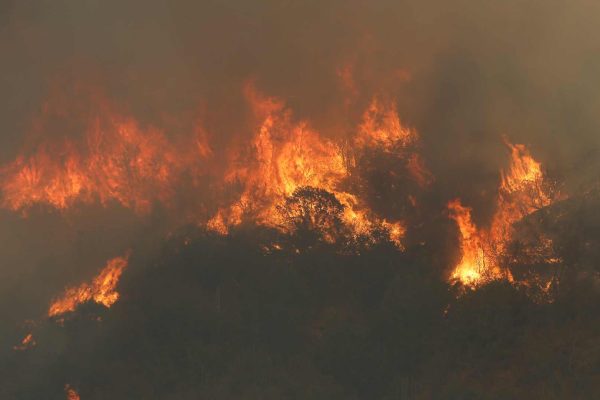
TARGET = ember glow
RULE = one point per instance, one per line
(27, 343)
(71, 393)
(522, 191)
(101, 290)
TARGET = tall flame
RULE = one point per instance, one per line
(118, 160)
(286, 155)
(101, 290)
(472, 262)
(521, 192)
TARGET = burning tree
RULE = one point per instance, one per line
(523, 190)
(313, 213)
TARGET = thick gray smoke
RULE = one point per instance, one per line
(463, 73)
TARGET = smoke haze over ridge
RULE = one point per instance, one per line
(463, 74)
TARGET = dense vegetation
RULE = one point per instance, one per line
(238, 318)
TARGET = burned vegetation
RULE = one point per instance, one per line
(299, 200)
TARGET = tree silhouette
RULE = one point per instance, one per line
(313, 214)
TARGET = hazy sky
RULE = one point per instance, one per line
(463, 73)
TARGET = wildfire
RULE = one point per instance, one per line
(27, 343)
(71, 393)
(381, 127)
(122, 161)
(101, 290)
(116, 160)
(286, 155)
(122, 164)
(521, 192)
(283, 156)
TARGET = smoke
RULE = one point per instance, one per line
(462, 74)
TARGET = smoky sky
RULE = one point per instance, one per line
(463, 73)
(477, 70)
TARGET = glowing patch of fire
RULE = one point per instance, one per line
(71, 393)
(101, 290)
(27, 343)
(521, 193)
(287, 155)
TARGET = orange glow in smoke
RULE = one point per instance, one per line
(115, 159)
(121, 164)
(111, 158)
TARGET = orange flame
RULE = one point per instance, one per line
(71, 393)
(521, 193)
(472, 260)
(102, 290)
(287, 155)
(120, 161)
(123, 164)
(117, 161)
(27, 343)
(381, 127)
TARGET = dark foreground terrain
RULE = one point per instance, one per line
(232, 318)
